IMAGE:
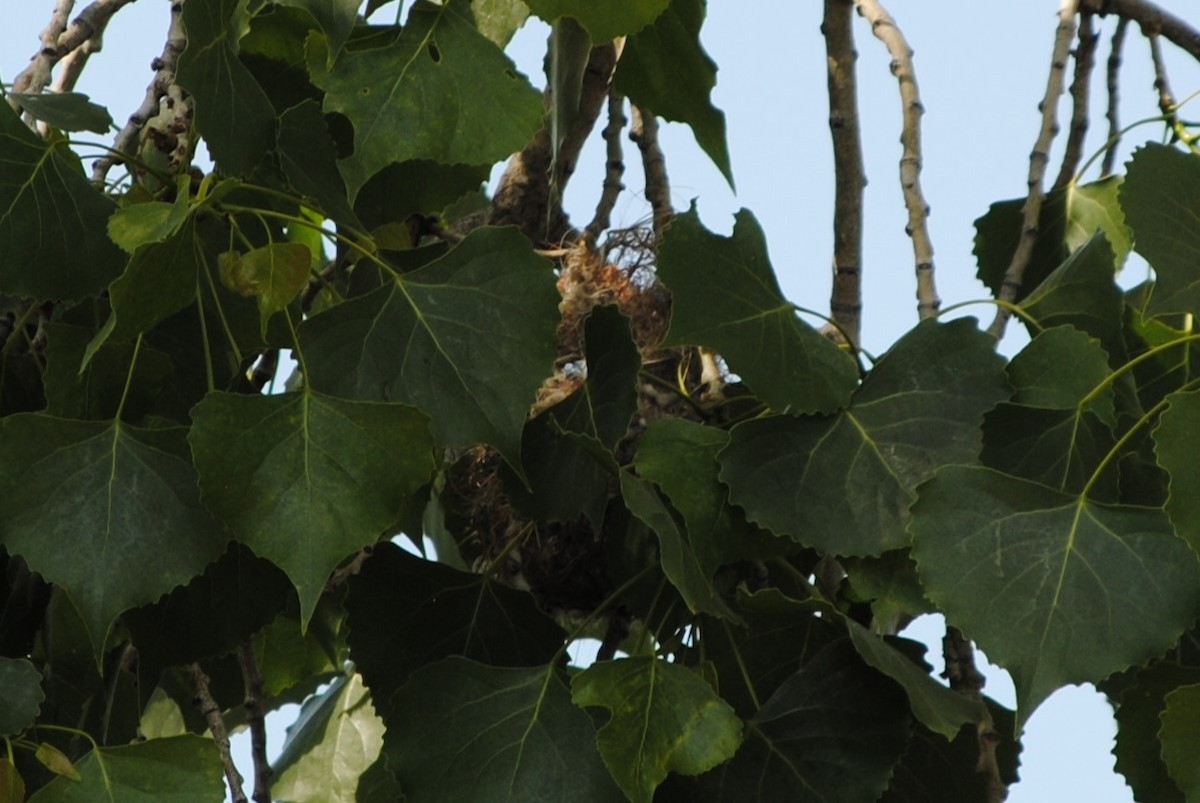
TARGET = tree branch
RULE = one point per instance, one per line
(208, 708)
(966, 679)
(1085, 60)
(256, 719)
(36, 76)
(60, 40)
(614, 167)
(885, 29)
(845, 303)
(644, 134)
(158, 91)
(1113, 114)
(1038, 160)
(1152, 20)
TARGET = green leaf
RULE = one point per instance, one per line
(378, 785)
(679, 560)
(498, 20)
(1174, 444)
(43, 190)
(665, 718)
(604, 21)
(336, 18)
(21, 696)
(603, 405)
(468, 339)
(336, 737)
(12, 786)
(305, 479)
(151, 222)
(1061, 369)
(466, 732)
(1181, 740)
(1161, 199)
(309, 160)
(486, 109)
(1081, 292)
(1086, 589)
(890, 583)
(832, 731)
(1137, 748)
(1068, 219)
(664, 68)
(121, 495)
(186, 769)
(233, 112)
(67, 111)
(725, 296)
(843, 484)
(415, 187)
(934, 705)
(274, 275)
(436, 612)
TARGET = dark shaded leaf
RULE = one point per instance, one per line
(309, 160)
(1180, 738)
(21, 696)
(1137, 748)
(1058, 448)
(890, 583)
(604, 21)
(843, 484)
(1175, 444)
(67, 111)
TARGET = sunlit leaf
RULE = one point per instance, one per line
(305, 479)
(843, 484)
(1087, 589)
(726, 297)
(21, 695)
(186, 769)
(121, 495)
(664, 718)
(12, 786)
(52, 220)
(468, 339)
(462, 731)
(498, 20)
(486, 109)
(604, 21)
(273, 275)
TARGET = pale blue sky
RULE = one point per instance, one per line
(982, 70)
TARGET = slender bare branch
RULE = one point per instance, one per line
(211, 711)
(36, 76)
(614, 166)
(1085, 61)
(60, 40)
(1113, 114)
(158, 91)
(845, 303)
(1152, 19)
(1039, 158)
(966, 679)
(886, 30)
(256, 719)
(644, 134)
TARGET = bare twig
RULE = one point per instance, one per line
(884, 27)
(1152, 20)
(1114, 97)
(159, 89)
(70, 67)
(845, 303)
(256, 719)
(36, 76)
(1085, 60)
(966, 679)
(1038, 160)
(614, 167)
(208, 708)
(1162, 84)
(644, 134)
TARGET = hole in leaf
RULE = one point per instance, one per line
(434, 53)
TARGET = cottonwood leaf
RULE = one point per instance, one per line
(1175, 444)
(186, 769)
(843, 484)
(52, 220)
(462, 731)
(468, 339)
(12, 786)
(832, 731)
(604, 21)
(233, 112)
(486, 109)
(273, 275)
(607, 399)
(1068, 219)
(1058, 448)
(680, 562)
(1085, 589)
(1180, 739)
(335, 738)
(67, 111)
(1063, 368)
(140, 224)
(664, 718)
(664, 69)
(22, 695)
(336, 18)
(1137, 748)
(309, 160)
(123, 496)
(305, 479)
(1161, 199)
(498, 20)
(890, 583)
(435, 612)
(725, 296)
